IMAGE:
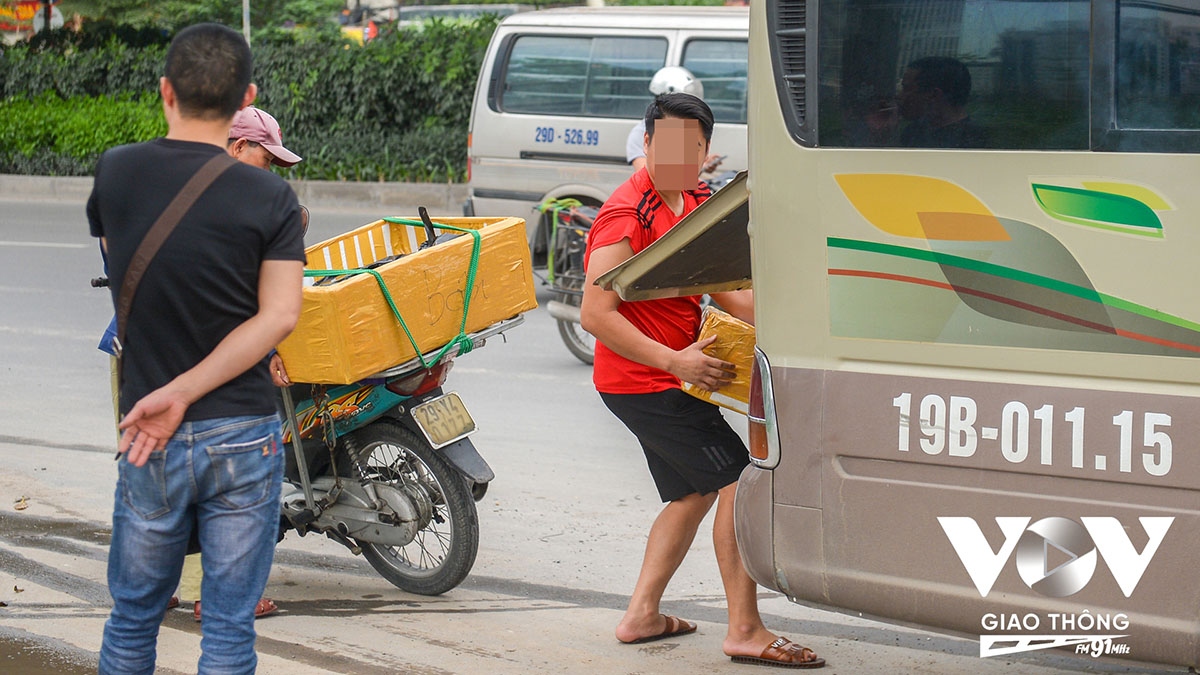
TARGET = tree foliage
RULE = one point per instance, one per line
(171, 15)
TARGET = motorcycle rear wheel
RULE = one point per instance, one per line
(443, 552)
(578, 341)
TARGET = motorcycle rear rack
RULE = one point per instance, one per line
(478, 339)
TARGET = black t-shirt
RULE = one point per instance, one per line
(203, 282)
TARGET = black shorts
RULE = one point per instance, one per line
(689, 446)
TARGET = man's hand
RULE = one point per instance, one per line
(709, 373)
(279, 374)
(151, 423)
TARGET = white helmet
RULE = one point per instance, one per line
(673, 79)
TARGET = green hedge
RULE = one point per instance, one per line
(52, 136)
(396, 108)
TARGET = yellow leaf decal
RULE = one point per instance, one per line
(920, 207)
(1143, 194)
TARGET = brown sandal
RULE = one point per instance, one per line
(265, 607)
(673, 627)
(783, 653)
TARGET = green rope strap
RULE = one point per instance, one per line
(462, 340)
(556, 206)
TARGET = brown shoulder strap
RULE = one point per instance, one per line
(158, 233)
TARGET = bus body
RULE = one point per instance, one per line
(979, 365)
(560, 90)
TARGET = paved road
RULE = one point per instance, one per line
(562, 527)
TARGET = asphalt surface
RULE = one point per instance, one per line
(562, 527)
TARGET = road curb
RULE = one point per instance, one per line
(439, 198)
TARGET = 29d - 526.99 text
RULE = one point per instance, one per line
(1027, 434)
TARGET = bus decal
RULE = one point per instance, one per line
(1012, 283)
(920, 207)
(1102, 208)
(1037, 309)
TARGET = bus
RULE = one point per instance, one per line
(976, 407)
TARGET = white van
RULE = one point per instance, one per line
(561, 89)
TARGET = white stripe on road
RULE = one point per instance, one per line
(43, 244)
(35, 331)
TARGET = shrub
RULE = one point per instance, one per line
(52, 136)
(396, 108)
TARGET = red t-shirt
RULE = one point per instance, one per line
(636, 212)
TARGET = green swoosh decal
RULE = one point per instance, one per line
(1102, 210)
(1014, 274)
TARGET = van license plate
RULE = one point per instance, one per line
(444, 420)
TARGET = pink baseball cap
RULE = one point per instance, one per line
(255, 125)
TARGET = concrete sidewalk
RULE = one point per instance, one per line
(438, 197)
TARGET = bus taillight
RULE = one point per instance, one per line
(468, 157)
(764, 432)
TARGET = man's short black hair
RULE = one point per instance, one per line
(681, 106)
(945, 73)
(209, 67)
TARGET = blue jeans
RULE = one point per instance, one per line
(221, 476)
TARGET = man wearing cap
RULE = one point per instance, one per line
(255, 139)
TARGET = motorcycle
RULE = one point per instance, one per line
(386, 467)
(570, 223)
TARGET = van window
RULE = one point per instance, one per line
(720, 66)
(1158, 66)
(578, 75)
(1028, 66)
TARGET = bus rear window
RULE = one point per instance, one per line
(720, 65)
(596, 76)
(954, 74)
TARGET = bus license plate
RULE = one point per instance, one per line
(444, 420)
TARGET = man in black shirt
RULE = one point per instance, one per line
(201, 439)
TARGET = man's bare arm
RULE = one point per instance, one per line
(738, 303)
(153, 419)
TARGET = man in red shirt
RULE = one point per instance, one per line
(643, 351)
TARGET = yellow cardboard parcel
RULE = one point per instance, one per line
(347, 331)
(735, 344)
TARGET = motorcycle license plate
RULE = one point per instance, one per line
(444, 420)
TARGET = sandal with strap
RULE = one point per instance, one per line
(265, 607)
(783, 653)
(673, 626)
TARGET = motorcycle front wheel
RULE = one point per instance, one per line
(442, 553)
(578, 341)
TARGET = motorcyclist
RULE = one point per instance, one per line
(669, 80)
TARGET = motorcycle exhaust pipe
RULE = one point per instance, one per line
(562, 311)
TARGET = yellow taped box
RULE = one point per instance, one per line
(735, 344)
(347, 331)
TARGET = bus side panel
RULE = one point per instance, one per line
(892, 465)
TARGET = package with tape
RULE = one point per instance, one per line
(735, 344)
(350, 328)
